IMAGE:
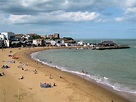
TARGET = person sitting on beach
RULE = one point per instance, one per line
(54, 84)
(35, 71)
(2, 74)
(3, 66)
(13, 61)
(60, 76)
(6, 66)
(21, 77)
(26, 70)
(26, 64)
(10, 51)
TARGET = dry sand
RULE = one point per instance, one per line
(70, 88)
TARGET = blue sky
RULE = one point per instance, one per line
(75, 18)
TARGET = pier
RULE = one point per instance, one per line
(111, 47)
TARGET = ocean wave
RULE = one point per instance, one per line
(97, 78)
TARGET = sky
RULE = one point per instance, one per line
(88, 19)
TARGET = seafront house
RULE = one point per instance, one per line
(7, 37)
(38, 42)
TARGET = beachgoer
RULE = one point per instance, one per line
(22, 77)
(2, 49)
(50, 76)
(6, 66)
(10, 51)
(3, 66)
(35, 71)
(54, 84)
(1, 74)
(83, 71)
(60, 76)
(26, 64)
(26, 69)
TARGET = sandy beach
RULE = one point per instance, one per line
(69, 88)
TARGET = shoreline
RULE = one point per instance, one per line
(127, 95)
(75, 88)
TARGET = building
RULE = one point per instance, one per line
(50, 36)
(39, 42)
(56, 36)
(19, 36)
(2, 37)
(44, 36)
(107, 43)
(2, 44)
(7, 35)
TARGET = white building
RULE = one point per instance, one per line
(26, 37)
(2, 37)
(8, 35)
(81, 43)
(37, 42)
(53, 43)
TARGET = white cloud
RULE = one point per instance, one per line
(56, 16)
(32, 11)
(130, 3)
(119, 19)
(126, 18)
(79, 16)
(130, 10)
(18, 18)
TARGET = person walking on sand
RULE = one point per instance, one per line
(50, 77)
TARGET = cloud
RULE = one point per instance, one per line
(130, 18)
(129, 11)
(56, 16)
(35, 11)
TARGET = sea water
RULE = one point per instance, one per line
(113, 68)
